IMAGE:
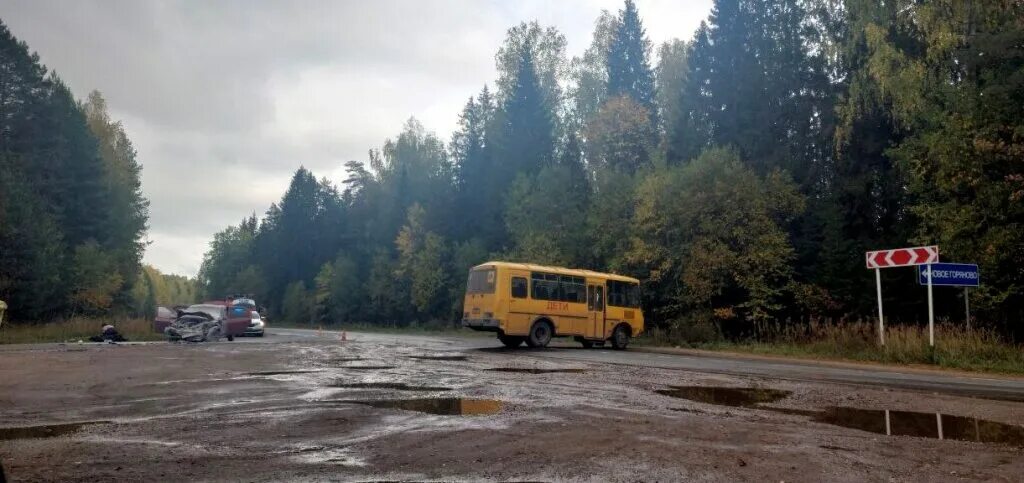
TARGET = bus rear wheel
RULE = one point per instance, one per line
(540, 334)
(511, 341)
(620, 338)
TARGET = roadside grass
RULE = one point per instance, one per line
(955, 347)
(75, 329)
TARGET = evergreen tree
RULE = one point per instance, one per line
(689, 134)
(629, 69)
(545, 47)
(525, 140)
(31, 249)
(545, 218)
(61, 226)
(477, 180)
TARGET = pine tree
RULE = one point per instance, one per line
(478, 183)
(525, 141)
(629, 69)
(546, 48)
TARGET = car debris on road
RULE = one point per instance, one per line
(198, 323)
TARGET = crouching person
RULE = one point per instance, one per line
(108, 334)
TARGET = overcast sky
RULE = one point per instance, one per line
(224, 100)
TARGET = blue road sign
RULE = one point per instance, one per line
(950, 274)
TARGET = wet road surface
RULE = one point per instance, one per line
(298, 405)
(1011, 389)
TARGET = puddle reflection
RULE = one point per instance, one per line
(442, 406)
(536, 371)
(44, 431)
(923, 425)
(726, 396)
(881, 421)
(400, 386)
(439, 358)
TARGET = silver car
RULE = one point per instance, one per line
(256, 325)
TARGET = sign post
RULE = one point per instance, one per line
(967, 307)
(881, 318)
(902, 257)
(931, 318)
(964, 275)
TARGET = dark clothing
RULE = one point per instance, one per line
(109, 335)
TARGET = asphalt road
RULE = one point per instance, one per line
(935, 382)
(300, 405)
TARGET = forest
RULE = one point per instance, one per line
(72, 213)
(740, 174)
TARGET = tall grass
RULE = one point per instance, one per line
(75, 329)
(955, 346)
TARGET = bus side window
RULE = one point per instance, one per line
(518, 287)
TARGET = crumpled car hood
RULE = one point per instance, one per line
(195, 327)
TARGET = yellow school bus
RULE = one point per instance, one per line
(529, 303)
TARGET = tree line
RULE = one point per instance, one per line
(72, 213)
(741, 174)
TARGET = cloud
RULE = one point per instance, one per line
(224, 100)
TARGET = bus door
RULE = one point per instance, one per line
(595, 310)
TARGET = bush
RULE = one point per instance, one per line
(691, 331)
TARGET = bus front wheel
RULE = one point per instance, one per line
(511, 341)
(540, 334)
(620, 338)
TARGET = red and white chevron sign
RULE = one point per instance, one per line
(903, 257)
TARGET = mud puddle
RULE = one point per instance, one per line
(881, 421)
(745, 397)
(400, 386)
(325, 455)
(443, 406)
(344, 359)
(536, 371)
(440, 358)
(278, 373)
(923, 425)
(44, 431)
